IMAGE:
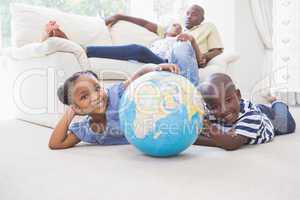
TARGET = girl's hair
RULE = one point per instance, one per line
(64, 90)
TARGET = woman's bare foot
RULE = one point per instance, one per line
(52, 30)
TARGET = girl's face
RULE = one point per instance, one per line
(174, 30)
(88, 96)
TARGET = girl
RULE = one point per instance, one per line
(84, 95)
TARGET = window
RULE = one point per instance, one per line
(102, 8)
(160, 11)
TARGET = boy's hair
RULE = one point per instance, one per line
(64, 90)
(214, 85)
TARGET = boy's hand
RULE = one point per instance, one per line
(206, 127)
(185, 37)
(228, 141)
(169, 67)
(218, 138)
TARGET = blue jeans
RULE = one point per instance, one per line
(182, 54)
(125, 52)
(280, 117)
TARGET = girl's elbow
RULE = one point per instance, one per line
(53, 146)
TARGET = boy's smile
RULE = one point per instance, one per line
(222, 98)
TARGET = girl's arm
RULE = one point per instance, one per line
(150, 68)
(61, 138)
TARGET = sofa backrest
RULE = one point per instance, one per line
(28, 25)
(128, 33)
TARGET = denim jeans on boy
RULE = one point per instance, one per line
(280, 117)
(182, 54)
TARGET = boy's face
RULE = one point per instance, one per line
(226, 106)
(88, 95)
(174, 30)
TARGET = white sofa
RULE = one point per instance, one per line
(34, 79)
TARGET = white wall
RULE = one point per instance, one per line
(142, 9)
(248, 70)
(235, 23)
(222, 14)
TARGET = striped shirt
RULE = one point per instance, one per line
(251, 123)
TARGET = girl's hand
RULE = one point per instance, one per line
(185, 37)
(168, 67)
(76, 111)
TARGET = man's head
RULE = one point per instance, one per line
(221, 97)
(194, 16)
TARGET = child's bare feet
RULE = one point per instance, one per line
(269, 98)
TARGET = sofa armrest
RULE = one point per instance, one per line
(49, 47)
(224, 59)
(219, 64)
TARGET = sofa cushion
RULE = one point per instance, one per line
(32, 19)
(110, 69)
(128, 33)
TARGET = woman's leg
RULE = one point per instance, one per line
(125, 52)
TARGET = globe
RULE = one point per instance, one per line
(161, 114)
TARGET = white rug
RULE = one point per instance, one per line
(29, 170)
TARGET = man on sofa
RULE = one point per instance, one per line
(206, 34)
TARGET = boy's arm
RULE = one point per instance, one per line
(138, 21)
(61, 138)
(212, 53)
(150, 68)
(228, 141)
(205, 141)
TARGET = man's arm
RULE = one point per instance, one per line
(212, 53)
(199, 55)
(138, 21)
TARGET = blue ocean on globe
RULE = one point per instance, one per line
(161, 114)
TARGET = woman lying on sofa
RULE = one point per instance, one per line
(161, 51)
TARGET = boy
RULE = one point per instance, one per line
(234, 122)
